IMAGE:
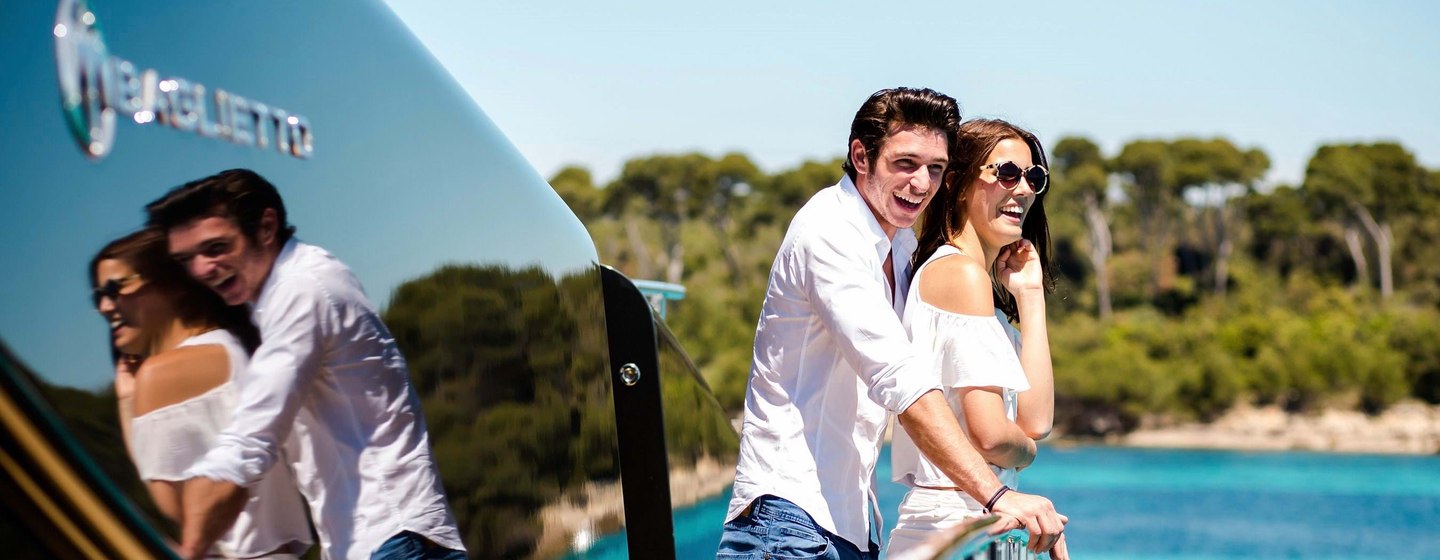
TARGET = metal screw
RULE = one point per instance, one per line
(629, 374)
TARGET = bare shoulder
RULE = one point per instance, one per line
(185, 359)
(180, 374)
(958, 284)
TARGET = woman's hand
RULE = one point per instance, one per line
(1018, 269)
(125, 370)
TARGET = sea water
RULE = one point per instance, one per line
(1149, 503)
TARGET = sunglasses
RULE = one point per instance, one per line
(1009, 175)
(111, 289)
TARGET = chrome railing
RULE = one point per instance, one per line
(974, 541)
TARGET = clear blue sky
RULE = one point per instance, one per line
(595, 84)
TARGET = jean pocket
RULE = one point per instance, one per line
(790, 542)
(746, 538)
(742, 538)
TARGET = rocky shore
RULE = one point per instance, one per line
(1406, 428)
(576, 522)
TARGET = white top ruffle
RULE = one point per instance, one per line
(169, 440)
(967, 351)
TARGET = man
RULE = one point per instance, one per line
(831, 355)
(327, 383)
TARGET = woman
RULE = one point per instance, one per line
(983, 247)
(179, 347)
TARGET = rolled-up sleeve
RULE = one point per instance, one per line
(849, 299)
(291, 318)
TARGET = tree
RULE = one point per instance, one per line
(733, 175)
(1371, 184)
(1080, 168)
(1148, 178)
(776, 198)
(673, 190)
(1212, 174)
(1290, 232)
(1418, 254)
(576, 187)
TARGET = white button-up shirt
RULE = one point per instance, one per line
(831, 358)
(328, 375)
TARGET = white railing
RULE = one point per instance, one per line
(658, 293)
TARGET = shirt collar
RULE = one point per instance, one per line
(864, 220)
(287, 254)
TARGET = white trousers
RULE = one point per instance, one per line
(925, 515)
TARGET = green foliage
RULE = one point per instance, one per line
(777, 197)
(1383, 177)
(577, 188)
(695, 424)
(1370, 187)
(511, 369)
(1299, 348)
(513, 383)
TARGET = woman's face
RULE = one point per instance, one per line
(134, 312)
(997, 213)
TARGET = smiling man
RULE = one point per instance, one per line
(832, 358)
(327, 375)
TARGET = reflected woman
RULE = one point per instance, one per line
(981, 264)
(179, 346)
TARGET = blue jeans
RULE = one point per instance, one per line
(411, 546)
(776, 528)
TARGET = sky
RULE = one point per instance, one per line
(594, 83)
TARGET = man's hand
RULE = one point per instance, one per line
(208, 508)
(1061, 550)
(1037, 515)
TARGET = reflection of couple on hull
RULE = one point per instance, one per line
(233, 428)
(861, 320)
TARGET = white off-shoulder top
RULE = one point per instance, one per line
(168, 440)
(966, 351)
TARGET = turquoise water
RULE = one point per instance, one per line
(1140, 504)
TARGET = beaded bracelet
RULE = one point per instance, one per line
(990, 505)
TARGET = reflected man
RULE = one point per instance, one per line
(327, 373)
(832, 358)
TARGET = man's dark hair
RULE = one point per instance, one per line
(241, 195)
(889, 108)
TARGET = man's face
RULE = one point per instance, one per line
(215, 252)
(904, 176)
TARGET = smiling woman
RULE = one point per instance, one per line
(981, 264)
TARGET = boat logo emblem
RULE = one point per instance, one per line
(98, 89)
